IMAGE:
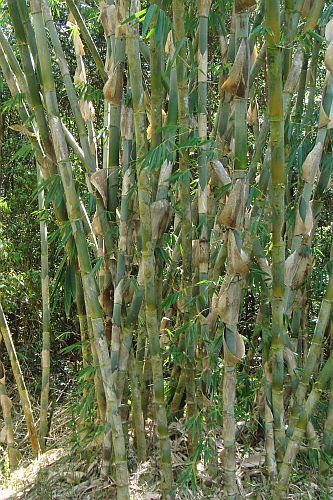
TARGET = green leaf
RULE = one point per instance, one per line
(138, 15)
(179, 46)
(317, 37)
(22, 153)
(258, 30)
(98, 265)
(162, 26)
(148, 18)
(73, 347)
(223, 190)
(53, 188)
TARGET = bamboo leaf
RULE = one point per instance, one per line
(148, 18)
(178, 48)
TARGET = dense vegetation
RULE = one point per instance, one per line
(166, 239)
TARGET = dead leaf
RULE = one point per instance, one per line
(235, 84)
(21, 128)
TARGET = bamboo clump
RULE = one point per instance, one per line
(176, 191)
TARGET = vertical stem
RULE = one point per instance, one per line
(44, 398)
(241, 98)
(148, 260)
(156, 88)
(185, 201)
(275, 106)
(88, 280)
(137, 415)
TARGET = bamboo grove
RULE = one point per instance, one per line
(189, 207)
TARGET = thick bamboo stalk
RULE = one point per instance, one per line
(24, 14)
(14, 64)
(313, 15)
(145, 198)
(31, 81)
(275, 105)
(241, 97)
(156, 89)
(203, 12)
(89, 283)
(113, 91)
(137, 415)
(123, 243)
(178, 8)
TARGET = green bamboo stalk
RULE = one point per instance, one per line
(275, 105)
(86, 106)
(14, 64)
(241, 97)
(288, 31)
(313, 354)
(137, 414)
(20, 383)
(203, 12)
(144, 196)
(88, 39)
(267, 383)
(83, 324)
(44, 151)
(89, 284)
(120, 280)
(113, 91)
(314, 15)
(24, 14)
(31, 81)
(46, 358)
(297, 9)
(156, 122)
(234, 276)
(156, 87)
(229, 431)
(202, 228)
(23, 111)
(89, 159)
(185, 197)
(295, 440)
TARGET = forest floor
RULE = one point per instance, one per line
(69, 470)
